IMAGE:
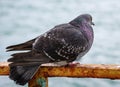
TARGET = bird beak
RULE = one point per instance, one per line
(92, 23)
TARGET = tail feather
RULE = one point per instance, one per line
(22, 74)
(22, 57)
(25, 65)
(24, 46)
(27, 57)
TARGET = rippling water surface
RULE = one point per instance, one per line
(21, 20)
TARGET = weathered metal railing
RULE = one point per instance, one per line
(40, 79)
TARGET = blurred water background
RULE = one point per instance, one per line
(21, 20)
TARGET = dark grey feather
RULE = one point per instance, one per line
(23, 46)
(22, 74)
(25, 65)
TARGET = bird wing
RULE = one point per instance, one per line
(63, 42)
(23, 46)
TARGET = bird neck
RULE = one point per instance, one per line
(88, 32)
(85, 28)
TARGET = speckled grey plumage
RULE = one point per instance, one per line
(65, 42)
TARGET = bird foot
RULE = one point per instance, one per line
(73, 64)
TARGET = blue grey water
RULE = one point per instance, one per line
(21, 20)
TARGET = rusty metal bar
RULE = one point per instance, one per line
(40, 79)
(4, 68)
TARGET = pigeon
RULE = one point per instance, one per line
(62, 45)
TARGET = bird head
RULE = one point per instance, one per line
(84, 18)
